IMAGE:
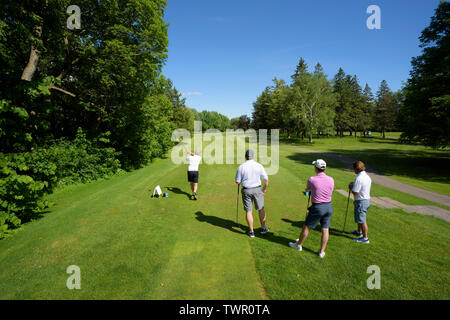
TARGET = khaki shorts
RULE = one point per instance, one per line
(253, 195)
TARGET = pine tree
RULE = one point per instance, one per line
(342, 90)
(318, 68)
(300, 70)
(368, 105)
(425, 114)
(385, 115)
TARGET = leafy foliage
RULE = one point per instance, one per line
(425, 114)
(213, 120)
(26, 178)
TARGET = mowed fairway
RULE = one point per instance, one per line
(130, 246)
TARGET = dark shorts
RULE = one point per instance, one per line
(361, 208)
(319, 212)
(193, 176)
(253, 195)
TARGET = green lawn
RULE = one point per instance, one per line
(130, 246)
(416, 165)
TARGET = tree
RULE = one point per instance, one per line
(385, 109)
(213, 120)
(301, 68)
(344, 96)
(182, 116)
(318, 68)
(367, 107)
(356, 104)
(425, 114)
(100, 78)
(314, 99)
(261, 110)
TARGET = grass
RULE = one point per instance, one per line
(416, 165)
(130, 246)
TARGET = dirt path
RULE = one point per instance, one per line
(384, 181)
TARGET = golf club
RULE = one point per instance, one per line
(346, 212)
(307, 205)
(237, 206)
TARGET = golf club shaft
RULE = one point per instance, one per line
(346, 212)
(307, 205)
(237, 206)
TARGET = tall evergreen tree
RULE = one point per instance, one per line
(356, 111)
(425, 115)
(368, 105)
(300, 70)
(343, 91)
(385, 109)
(318, 68)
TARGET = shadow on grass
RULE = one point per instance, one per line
(418, 164)
(231, 225)
(333, 231)
(220, 222)
(178, 191)
(308, 158)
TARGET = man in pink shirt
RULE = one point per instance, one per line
(321, 187)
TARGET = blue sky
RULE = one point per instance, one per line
(222, 54)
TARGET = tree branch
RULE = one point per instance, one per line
(33, 61)
(61, 90)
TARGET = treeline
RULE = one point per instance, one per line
(184, 116)
(425, 113)
(313, 105)
(82, 104)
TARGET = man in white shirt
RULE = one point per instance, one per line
(361, 192)
(194, 160)
(249, 175)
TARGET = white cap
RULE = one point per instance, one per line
(320, 164)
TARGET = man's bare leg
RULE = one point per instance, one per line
(325, 236)
(250, 220)
(303, 235)
(194, 188)
(360, 228)
(365, 230)
(262, 217)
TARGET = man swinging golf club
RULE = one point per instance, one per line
(194, 160)
(249, 175)
(361, 192)
(321, 188)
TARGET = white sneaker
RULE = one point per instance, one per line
(321, 254)
(295, 245)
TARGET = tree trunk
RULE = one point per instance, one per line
(33, 61)
(384, 134)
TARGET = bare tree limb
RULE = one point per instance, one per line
(33, 61)
(61, 90)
